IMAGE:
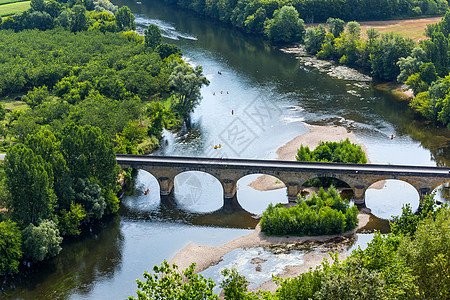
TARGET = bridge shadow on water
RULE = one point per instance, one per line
(230, 215)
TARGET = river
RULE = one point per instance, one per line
(262, 94)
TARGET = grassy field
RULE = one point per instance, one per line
(2, 2)
(413, 28)
(13, 8)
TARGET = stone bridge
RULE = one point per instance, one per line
(293, 174)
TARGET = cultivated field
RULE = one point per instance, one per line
(413, 28)
(13, 8)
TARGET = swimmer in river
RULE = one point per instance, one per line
(232, 112)
(392, 136)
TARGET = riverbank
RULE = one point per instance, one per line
(311, 139)
(207, 256)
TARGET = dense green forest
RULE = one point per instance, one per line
(76, 87)
(253, 15)
(322, 214)
(409, 263)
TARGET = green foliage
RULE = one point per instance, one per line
(88, 194)
(322, 214)
(10, 247)
(314, 38)
(37, 96)
(168, 283)
(285, 26)
(89, 154)
(386, 53)
(37, 5)
(165, 50)
(152, 36)
(29, 182)
(408, 221)
(339, 152)
(250, 14)
(125, 19)
(235, 285)
(427, 254)
(186, 82)
(69, 221)
(41, 242)
(335, 26)
(79, 19)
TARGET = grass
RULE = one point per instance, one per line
(9, 102)
(412, 28)
(9, 1)
(13, 8)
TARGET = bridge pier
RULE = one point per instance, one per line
(423, 192)
(165, 185)
(293, 189)
(359, 192)
(229, 188)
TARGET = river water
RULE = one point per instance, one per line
(261, 100)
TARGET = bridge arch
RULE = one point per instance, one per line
(139, 199)
(198, 191)
(386, 197)
(256, 191)
(442, 193)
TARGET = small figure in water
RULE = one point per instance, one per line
(221, 92)
(392, 136)
(214, 93)
(218, 72)
(147, 191)
(227, 92)
(232, 112)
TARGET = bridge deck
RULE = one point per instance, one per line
(277, 165)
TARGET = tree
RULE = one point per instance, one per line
(41, 242)
(79, 19)
(286, 26)
(152, 36)
(411, 64)
(125, 19)
(37, 96)
(314, 38)
(335, 26)
(45, 144)
(428, 73)
(88, 194)
(427, 253)
(40, 20)
(186, 83)
(53, 8)
(29, 182)
(10, 247)
(70, 220)
(65, 18)
(37, 5)
(354, 29)
(372, 35)
(165, 50)
(169, 283)
(89, 154)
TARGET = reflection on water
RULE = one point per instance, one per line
(389, 200)
(255, 201)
